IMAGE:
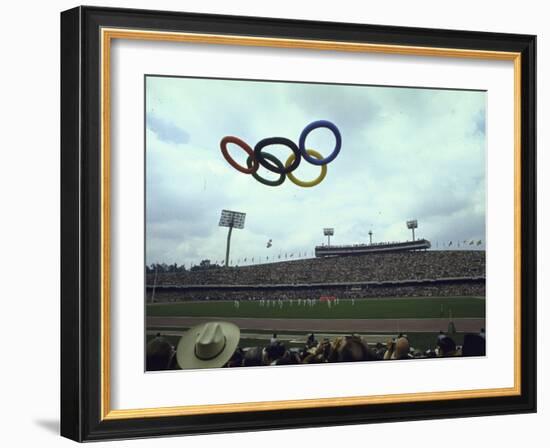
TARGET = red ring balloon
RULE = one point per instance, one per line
(237, 141)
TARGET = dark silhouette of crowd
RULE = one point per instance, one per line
(161, 355)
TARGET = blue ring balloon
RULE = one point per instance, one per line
(320, 124)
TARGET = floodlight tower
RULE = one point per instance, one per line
(370, 236)
(412, 224)
(328, 232)
(232, 220)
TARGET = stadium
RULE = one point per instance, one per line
(380, 293)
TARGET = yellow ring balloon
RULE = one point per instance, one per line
(302, 183)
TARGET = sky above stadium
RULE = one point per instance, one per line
(407, 153)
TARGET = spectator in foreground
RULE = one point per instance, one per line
(390, 347)
(252, 357)
(379, 350)
(159, 354)
(350, 349)
(474, 345)
(311, 341)
(398, 348)
(318, 354)
(237, 358)
(288, 358)
(273, 351)
(215, 344)
(402, 348)
(446, 347)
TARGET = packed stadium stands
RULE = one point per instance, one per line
(426, 273)
(372, 267)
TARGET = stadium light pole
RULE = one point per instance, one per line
(328, 232)
(370, 237)
(412, 224)
(231, 220)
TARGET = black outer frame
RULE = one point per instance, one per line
(80, 223)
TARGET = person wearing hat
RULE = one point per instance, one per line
(208, 345)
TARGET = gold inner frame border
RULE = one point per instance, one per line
(107, 35)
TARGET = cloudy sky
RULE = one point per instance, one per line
(407, 153)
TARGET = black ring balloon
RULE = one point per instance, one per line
(263, 157)
(269, 183)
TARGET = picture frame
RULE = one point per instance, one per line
(86, 209)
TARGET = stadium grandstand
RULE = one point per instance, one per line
(403, 273)
(358, 249)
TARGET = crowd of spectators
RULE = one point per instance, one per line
(161, 355)
(434, 289)
(402, 274)
(381, 267)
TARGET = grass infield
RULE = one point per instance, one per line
(379, 308)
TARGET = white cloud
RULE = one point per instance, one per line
(406, 153)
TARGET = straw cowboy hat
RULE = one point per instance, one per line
(208, 345)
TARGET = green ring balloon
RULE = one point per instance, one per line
(278, 164)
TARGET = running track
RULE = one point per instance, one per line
(330, 325)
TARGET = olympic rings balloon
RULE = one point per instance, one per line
(279, 166)
(303, 183)
(237, 141)
(320, 124)
(258, 156)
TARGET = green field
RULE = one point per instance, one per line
(380, 308)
